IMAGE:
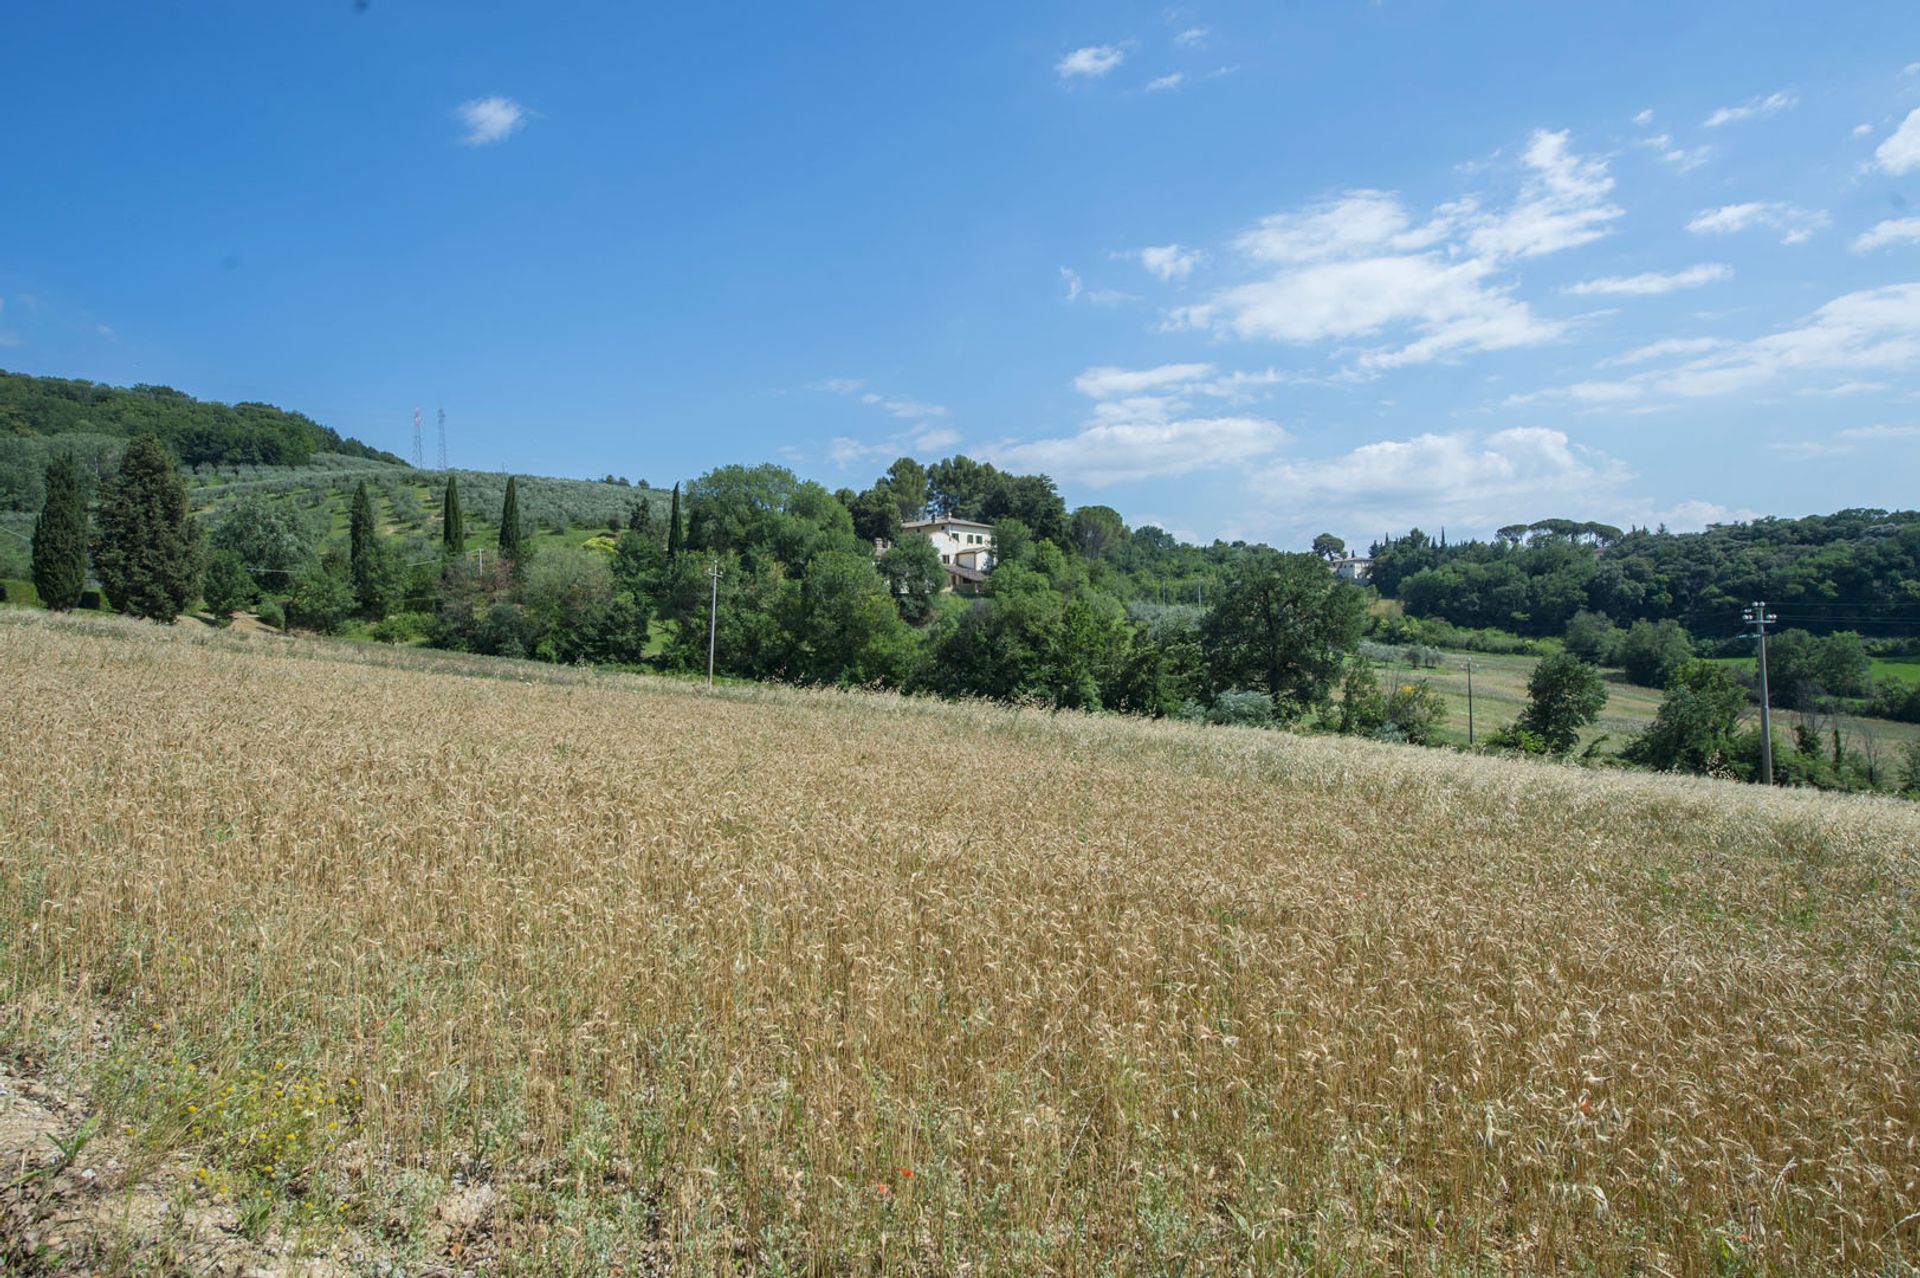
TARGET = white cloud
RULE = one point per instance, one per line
(1900, 153)
(1463, 478)
(1163, 82)
(1562, 203)
(1667, 349)
(1861, 130)
(1089, 63)
(1796, 225)
(1845, 443)
(1359, 265)
(1644, 118)
(490, 119)
(1118, 452)
(1694, 515)
(1899, 230)
(910, 409)
(1168, 261)
(1107, 382)
(1870, 330)
(1192, 37)
(1753, 109)
(1681, 158)
(1077, 289)
(840, 385)
(1451, 306)
(1653, 282)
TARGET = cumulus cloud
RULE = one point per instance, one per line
(1168, 261)
(1462, 478)
(490, 120)
(1652, 282)
(1899, 230)
(1854, 439)
(1796, 225)
(1089, 63)
(1105, 453)
(1752, 109)
(1144, 425)
(1667, 348)
(1360, 265)
(1864, 332)
(1900, 153)
(1106, 381)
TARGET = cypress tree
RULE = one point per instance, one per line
(453, 523)
(512, 537)
(148, 548)
(363, 549)
(673, 526)
(60, 535)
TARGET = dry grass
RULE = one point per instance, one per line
(781, 981)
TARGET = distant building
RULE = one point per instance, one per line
(965, 546)
(1354, 568)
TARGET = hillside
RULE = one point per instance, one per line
(606, 971)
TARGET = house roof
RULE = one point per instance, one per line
(918, 524)
(964, 573)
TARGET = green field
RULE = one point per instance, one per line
(1500, 693)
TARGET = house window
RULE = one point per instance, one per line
(946, 559)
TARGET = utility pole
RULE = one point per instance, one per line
(1759, 618)
(1469, 703)
(713, 615)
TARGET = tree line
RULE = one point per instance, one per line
(195, 431)
(1852, 570)
(805, 596)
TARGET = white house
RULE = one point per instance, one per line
(965, 547)
(1354, 568)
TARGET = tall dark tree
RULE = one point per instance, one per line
(60, 535)
(453, 521)
(673, 527)
(1564, 695)
(363, 549)
(1282, 624)
(513, 537)
(148, 548)
(641, 518)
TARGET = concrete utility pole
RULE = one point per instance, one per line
(1469, 702)
(1759, 618)
(713, 615)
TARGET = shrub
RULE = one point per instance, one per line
(1415, 711)
(1652, 651)
(1241, 707)
(270, 613)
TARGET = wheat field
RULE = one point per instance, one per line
(771, 981)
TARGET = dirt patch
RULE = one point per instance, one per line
(76, 1199)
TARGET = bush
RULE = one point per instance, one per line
(1415, 712)
(1652, 651)
(1240, 707)
(1423, 657)
(1896, 699)
(401, 628)
(1592, 637)
(271, 614)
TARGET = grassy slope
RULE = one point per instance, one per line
(747, 976)
(1500, 693)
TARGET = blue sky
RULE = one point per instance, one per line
(1243, 270)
